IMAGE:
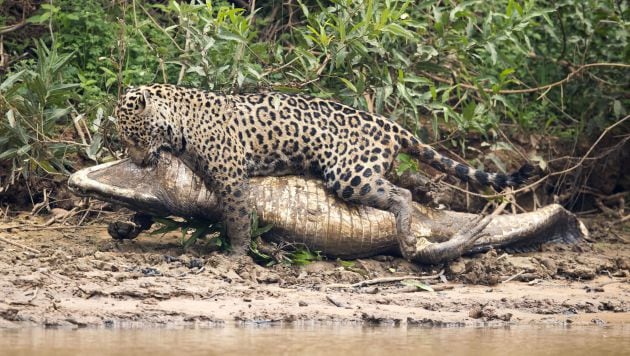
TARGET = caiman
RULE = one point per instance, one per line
(302, 211)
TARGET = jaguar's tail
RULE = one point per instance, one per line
(499, 181)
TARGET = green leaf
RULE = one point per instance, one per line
(406, 163)
(230, 36)
(505, 73)
(418, 284)
(38, 19)
(47, 167)
(345, 264)
(23, 150)
(110, 81)
(303, 257)
(349, 84)
(469, 110)
(542, 163)
(398, 30)
(518, 8)
(11, 80)
(255, 229)
(196, 69)
(168, 225)
(11, 118)
(493, 52)
(57, 113)
(95, 146)
(304, 9)
(10, 153)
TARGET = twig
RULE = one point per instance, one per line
(336, 303)
(621, 221)
(277, 69)
(155, 22)
(383, 280)
(182, 70)
(528, 90)
(20, 245)
(514, 276)
(613, 282)
(534, 184)
(87, 211)
(606, 210)
(413, 289)
(39, 227)
(13, 27)
(34, 295)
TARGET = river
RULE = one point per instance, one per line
(319, 340)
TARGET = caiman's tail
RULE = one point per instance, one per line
(499, 181)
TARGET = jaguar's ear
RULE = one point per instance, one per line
(144, 101)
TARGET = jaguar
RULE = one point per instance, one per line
(225, 139)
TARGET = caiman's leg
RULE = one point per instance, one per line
(127, 230)
(432, 253)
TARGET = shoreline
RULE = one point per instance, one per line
(81, 278)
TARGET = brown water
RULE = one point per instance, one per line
(319, 340)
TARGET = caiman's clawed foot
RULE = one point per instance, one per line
(433, 253)
(262, 249)
(127, 230)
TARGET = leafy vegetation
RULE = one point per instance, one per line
(212, 234)
(37, 118)
(446, 70)
(193, 230)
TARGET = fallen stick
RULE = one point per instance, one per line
(19, 245)
(514, 276)
(382, 280)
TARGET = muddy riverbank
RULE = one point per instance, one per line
(80, 277)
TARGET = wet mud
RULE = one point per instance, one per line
(80, 277)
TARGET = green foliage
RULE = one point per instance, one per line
(35, 102)
(578, 33)
(406, 163)
(256, 229)
(193, 230)
(454, 67)
(303, 256)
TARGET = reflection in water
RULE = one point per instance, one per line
(319, 340)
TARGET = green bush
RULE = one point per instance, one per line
(437, 67)
(35, 100)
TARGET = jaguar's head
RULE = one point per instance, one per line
(146, 124)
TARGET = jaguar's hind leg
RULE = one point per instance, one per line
(379, 193)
